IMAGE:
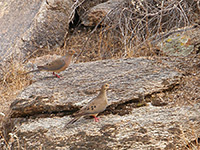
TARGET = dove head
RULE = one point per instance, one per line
(71, 52)
(105, 86)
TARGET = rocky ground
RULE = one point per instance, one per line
(154, 95)
(154, 103)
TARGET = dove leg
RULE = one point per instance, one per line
(56, 75)
(96, 119)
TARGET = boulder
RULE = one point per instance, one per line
(27, 26)
(102, 14)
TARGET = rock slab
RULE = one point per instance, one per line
(129, 79)
(148, 127)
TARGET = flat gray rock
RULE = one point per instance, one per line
(129, 79)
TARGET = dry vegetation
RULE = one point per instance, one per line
(140, 25)
(12, 83)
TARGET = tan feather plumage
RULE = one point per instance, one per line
(94, 107)
(57, 65)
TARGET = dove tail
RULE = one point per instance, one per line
(73, 120)
(37, 70)
(40, 67)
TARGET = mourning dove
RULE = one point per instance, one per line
(57, 65)
(94, 107)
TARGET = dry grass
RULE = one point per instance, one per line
(12, 83)
(10, 86)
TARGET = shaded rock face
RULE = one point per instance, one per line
(29, 25)
(96, 15)
(40, 113)
(86, 5)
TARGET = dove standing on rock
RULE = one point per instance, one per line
(57, 65)
(94, 107)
